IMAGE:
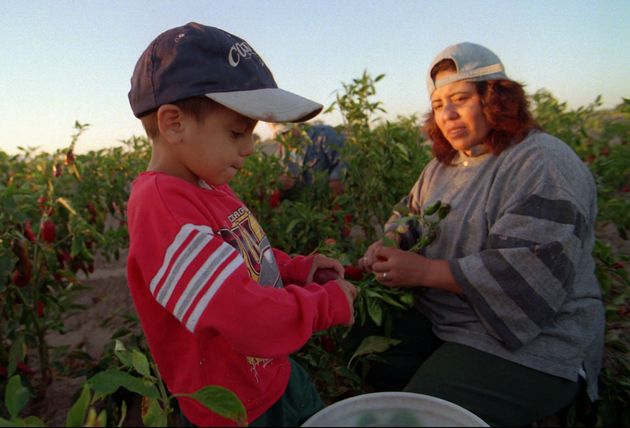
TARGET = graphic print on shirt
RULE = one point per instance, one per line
(248, 238)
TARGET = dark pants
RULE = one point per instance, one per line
(299, 402)
(498, 391)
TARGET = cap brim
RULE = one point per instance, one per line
(269, 104)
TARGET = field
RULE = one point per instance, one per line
(71, 350)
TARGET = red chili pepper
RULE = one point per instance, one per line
(353, 272)
(20, 279)
(69, 157)
(64, 258)
(275, 198)
(28, 231)
(44, 208)
(48, 231)
(21, 366)
(40, 309)
(93, 213)
(617, 265)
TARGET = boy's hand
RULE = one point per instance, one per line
(351, 293)
(322, 262)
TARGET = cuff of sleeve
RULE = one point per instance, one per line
(339, 303)
(297, 269)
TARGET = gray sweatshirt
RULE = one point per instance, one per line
(518, 239)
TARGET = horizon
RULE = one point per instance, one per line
(62, 63)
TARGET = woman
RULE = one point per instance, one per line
(508, 321)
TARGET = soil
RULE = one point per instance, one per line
(107, 305)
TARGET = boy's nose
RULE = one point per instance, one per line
(247, 149)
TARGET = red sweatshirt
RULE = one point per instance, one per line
(217, 304)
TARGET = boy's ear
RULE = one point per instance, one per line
(170, 122)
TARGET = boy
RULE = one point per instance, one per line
(211, 293)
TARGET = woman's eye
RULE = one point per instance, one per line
(237, 135)
(460, 98)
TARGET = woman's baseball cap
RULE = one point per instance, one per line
(473, 63)
(196, 60)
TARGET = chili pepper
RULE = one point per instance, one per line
(20, 279)
(28, 231)
(93, 213)
(44, 208)
(69, 157)
(275, 198)
(22, 274)
(40, 309)
(48, 231)
(57, 169)
(444, 210)
(64, 258)
(353, 272)
(432, 209)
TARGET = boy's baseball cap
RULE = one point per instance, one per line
(473, 62)
(196, 60)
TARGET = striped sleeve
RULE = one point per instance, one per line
(204, 282)
(521, 278)
(194, 268)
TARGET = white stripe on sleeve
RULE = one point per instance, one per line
(191, 323)
(181, 236)
(201, 277)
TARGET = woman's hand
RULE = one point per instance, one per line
(370, 256)
(398, 268)
(321, 261)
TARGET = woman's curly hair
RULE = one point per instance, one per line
(505, 108)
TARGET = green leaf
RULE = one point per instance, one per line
(16, 354)
(107, 382)
(373, 344)
(375, 311)
(15, 396)
(389, 242)
(152, 413)
(76, 414)
(221, 401)
(140, 363)
(29, 421)
(123, 354)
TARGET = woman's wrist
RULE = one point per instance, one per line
(438, 275)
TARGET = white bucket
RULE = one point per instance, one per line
(389, 409)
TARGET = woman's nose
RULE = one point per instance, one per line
(449, 112)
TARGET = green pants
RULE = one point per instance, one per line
(500, 392)
(298, 403)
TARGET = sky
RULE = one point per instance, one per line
(63, 61)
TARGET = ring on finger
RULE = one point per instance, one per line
(384, 275)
